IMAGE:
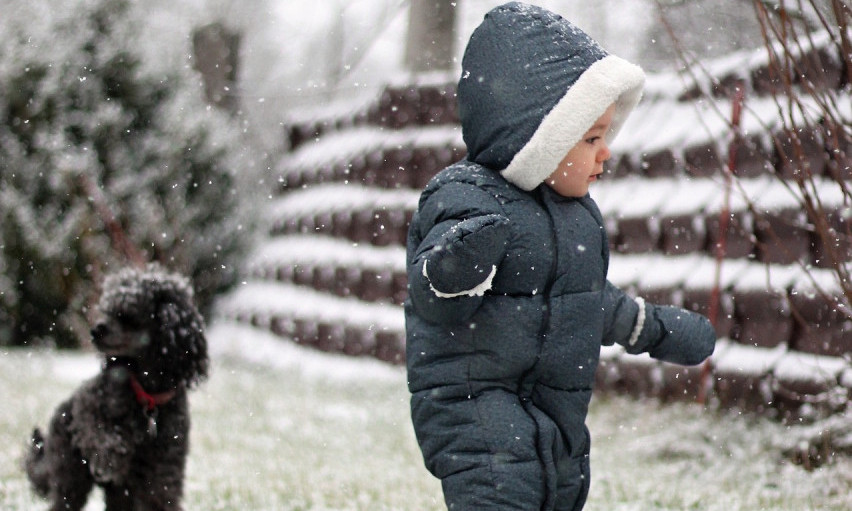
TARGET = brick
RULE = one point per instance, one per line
(305, 331)
(437, 105)
(285, 272)
(347, 281)
(361, 226)
(323, 223)
(783, 238)
(822, 329)
(391, 171)
(821, 69)
(376, 285)
(839, 147)
(636, 235)
(727, 86)
(390, 346)
(399, 287)
(835, 243)
(799, 153)
(702, 160)
(767, 80)
(341, 222)
(682, 234)
(282, 326)
(698, 300)
(637, 378)
(762, 318)
(660, 164)
(621, 166)
(298, 134)
(739, 390)
(681, 383)
(330, 337)
(388, 227)
(792, 398)
(303, 274)
(425, 163)
(752, 158)
(398, 107)
(323, 278)
(740, 240)
(358, 341)
(306, 224)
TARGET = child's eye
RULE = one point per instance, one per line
(592, 140)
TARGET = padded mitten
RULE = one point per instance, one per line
(466, 256)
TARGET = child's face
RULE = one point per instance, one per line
(584, 162)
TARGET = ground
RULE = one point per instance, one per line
(280, 427)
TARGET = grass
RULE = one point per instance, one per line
(278, 427)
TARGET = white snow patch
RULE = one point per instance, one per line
(326, 251)
(344, 146)
(731, 357)
(799, 366)
(341, 197)
(266, 298)
(267, 349)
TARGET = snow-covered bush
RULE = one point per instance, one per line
(107, 157)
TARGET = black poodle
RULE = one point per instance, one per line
(127, 428)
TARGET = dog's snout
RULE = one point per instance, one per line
(99, 331)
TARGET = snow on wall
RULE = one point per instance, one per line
(663, 124)
(270, 299)
(341, 197)
(359, 141)
(326, 251)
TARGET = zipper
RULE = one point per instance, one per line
(531, 376)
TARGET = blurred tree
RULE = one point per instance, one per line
(431, 34)
(216, 51)
(106, 159)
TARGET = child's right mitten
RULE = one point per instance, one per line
(463, 261)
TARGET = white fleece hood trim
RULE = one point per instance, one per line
(607, 81)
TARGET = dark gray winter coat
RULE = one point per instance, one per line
(509, 302)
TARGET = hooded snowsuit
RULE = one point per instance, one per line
(509, 302)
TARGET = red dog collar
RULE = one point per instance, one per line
(149, 401)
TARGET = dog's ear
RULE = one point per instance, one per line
(181, 330)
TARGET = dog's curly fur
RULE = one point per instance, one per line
(152, 333)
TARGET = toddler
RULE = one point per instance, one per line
(509, 301)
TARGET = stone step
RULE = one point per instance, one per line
(320, 320)
(373, 156)
(409, 158)
(775, 381)
(673, 217)
(429, 102)
(334, 266)
(787, 385)
(759, 305)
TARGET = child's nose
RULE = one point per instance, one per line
(604, 153)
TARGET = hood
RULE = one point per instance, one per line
(532, 84)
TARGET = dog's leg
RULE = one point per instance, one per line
(161, 490)
(69, 479)
(36, 467)
(118, 498)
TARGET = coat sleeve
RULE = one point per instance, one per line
(456, 243)
(666, 333)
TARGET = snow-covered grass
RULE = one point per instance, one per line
(280, 427)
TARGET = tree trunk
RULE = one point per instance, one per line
(431, 35)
